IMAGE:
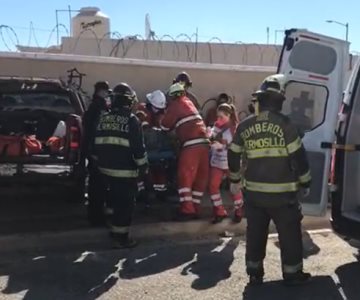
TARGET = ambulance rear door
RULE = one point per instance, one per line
(316, 70)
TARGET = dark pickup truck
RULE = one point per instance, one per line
(38, 105)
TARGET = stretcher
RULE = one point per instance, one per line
(161, 151)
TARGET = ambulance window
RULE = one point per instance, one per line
(305, 104)
(314, 58)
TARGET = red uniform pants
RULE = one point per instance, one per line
(216, 177)
(193, 172)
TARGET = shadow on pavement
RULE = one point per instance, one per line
(349, 276)
(321, 288)
(213, 266)
(82, 276)
(153, 261)
(309, 247)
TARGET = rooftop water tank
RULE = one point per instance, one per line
(90, 21)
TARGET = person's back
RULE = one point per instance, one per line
(113, 135)
(193, 160)
(276, 170)
(269, 140)
(183, 116)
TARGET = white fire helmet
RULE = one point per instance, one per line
(157, 99)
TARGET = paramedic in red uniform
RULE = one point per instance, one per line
(193, 162)
(150, 114)
(221, 137)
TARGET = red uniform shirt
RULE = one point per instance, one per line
(183, 117)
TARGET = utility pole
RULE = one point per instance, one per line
(196, 42)
(57, 11)
(346, 25)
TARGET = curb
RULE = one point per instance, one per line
(90, 237)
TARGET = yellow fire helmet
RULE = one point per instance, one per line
(273, 83)
(176, 90)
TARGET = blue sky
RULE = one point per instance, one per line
(228, 20)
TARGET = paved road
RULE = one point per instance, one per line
(185, 269)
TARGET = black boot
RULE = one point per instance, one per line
(122, 241)
(256, 275)
(256, 279)
(129, 243)
(298, 278)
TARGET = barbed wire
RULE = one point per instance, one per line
(95, 36)
(33, 34)
(175, 43)
(187, 46)
(8, 28)
(184, 47)
(210, 49)
(56, 27)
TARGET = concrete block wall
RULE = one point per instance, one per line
(144, 76)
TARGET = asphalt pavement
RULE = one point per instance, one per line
(48, 252)
(203, 268)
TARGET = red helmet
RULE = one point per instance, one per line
(183, 78)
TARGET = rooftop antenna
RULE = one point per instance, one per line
(149, 34)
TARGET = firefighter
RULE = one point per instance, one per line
(121, 157)
(150, 114)
(211, 115)
(100, 102)
(193, 162)
(221, 137)
(184, 79)
(277, 171)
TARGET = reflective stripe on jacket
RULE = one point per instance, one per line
(275, 158)
(182, 116)
(119, 145)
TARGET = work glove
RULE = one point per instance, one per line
(235, 188)
(304, 192)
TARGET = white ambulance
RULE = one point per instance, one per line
(323, 100)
